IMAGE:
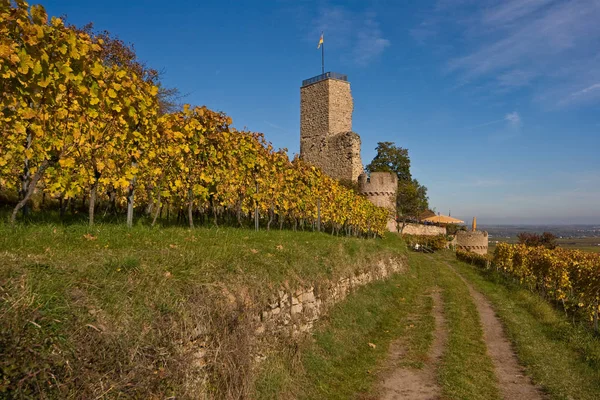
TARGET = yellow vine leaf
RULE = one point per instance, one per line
(28, 113)
(4, 50)
(44, 82)
(97, 69)
(37, 68)
(67, 162)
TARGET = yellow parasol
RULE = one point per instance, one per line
(443, 219)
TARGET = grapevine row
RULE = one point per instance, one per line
(75, 124)
(570, 277)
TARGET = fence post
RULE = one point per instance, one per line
(130, 197)
(256, 210)
(596, 315)
(318, 215)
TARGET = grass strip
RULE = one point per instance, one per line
(94, 308)
(562, 357)
(341, 361)
(466, 371)
(203, 255)
(340, 364)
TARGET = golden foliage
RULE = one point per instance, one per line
(87, 124)
(569, 276)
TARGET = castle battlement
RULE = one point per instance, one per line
(380, 189)
(378, 182)
(476, 241)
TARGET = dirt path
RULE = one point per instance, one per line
(417, 384)
(513, 382)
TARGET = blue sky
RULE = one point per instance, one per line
(497, 101)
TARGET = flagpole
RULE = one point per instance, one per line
(323, 58)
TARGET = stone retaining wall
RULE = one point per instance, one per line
(294, 312)
(424, 230)
(247, 329)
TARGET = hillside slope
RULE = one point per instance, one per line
(126, 312)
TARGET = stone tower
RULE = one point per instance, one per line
(326, 137)
(380, 188)
(327, 140)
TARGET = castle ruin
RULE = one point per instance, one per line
(328, 142)
(326, 137)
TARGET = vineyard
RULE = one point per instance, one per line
(569, 277)
(82, 119)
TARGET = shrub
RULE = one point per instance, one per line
(452, 229)
(479, 260)
(570, 277)
(438, 242)
(546, 239)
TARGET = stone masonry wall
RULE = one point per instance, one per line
(424, 230)
(295, 312)
(341, 107)
(325, 108)
(338, 156)
(380, 188)
(314, 110)
(326, 137)
(289, 313)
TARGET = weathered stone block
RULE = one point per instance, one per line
(296, 309)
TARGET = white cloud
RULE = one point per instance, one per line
(425, 31)
(358, 32)
(370, 42)
(514, 119)
(274, 126)
(591, 88)
(550, 46)
(515, 78)
(509, 11)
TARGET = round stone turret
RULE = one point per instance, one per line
(380, 188)
(477, 241)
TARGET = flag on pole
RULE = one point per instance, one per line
(320, 41)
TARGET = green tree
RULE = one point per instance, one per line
(391, 158)
(411, 200)
(546, 239)
(411, 196)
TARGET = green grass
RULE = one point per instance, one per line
(466, 371)
(564, 358)
(204, 255)
(118, 312)
(339, 363)
(86, 310)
